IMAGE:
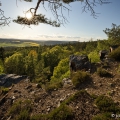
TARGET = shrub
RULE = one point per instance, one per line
(4, 90)
(24, 115)
(77, 95)
(61, 113)
(94, 56)
(61, 71)
(106, 104)
(80, 77)
(16, 107)
(103, 73)
(53, 86)
(104, 116)
(20, 110)
(115, 54)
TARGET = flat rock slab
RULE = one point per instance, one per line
(7, 80)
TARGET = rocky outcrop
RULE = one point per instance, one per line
(7, 80)
(79, 62)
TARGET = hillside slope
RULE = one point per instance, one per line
(77, 104)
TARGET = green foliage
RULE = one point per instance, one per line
(113, 33)
(106, 104)
(51, 58)
(93, 96)
(53, 86)
(103, 73)
(94, 56)
(23, 115)
(21, 110)
(61, 71)
(4, 90)
(15, 64)
(118, 69)
(90, 46)
(1, 67)
(76, 96)
(16, 107)
(103, 116)
(115, 54)
(103, 45)
(61, 113)
(80, 77)
(30, 63)
(35, 20)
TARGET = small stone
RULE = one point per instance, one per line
(9, 118)
(13, 97)
(48, 109)
(28, 87)
(33, 92)
(100, 84)
(87, 102)
(77, 107)
(58, 104)
(116, 87)
(15, 91)
(38, 85)
(112, 85)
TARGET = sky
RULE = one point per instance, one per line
(81, 26)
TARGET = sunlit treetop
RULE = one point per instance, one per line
(57, 8)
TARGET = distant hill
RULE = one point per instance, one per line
(23, 43)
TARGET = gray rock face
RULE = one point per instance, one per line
(7, 80)
(78, 62)
(103, 54)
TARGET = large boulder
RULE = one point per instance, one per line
(103, 54)
(79, 62)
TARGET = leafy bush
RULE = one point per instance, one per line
(80, 77)
(53, 86)
(16, 107)
(4, 90)
(1, 67)
(104, 116)
(115, 54)
(106, 104)
(24, 115)
(94, 56)
(61, 71)
(76, 96)
(20, 110)
(103, 73)
(63, 112)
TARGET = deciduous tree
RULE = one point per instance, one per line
(113, 33)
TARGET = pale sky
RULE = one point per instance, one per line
(81, 26)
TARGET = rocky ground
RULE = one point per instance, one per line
(44, 102)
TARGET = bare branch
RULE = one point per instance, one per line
(90, 4)
(57, 8)
(3, 20)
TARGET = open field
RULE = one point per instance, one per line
(23, 43)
